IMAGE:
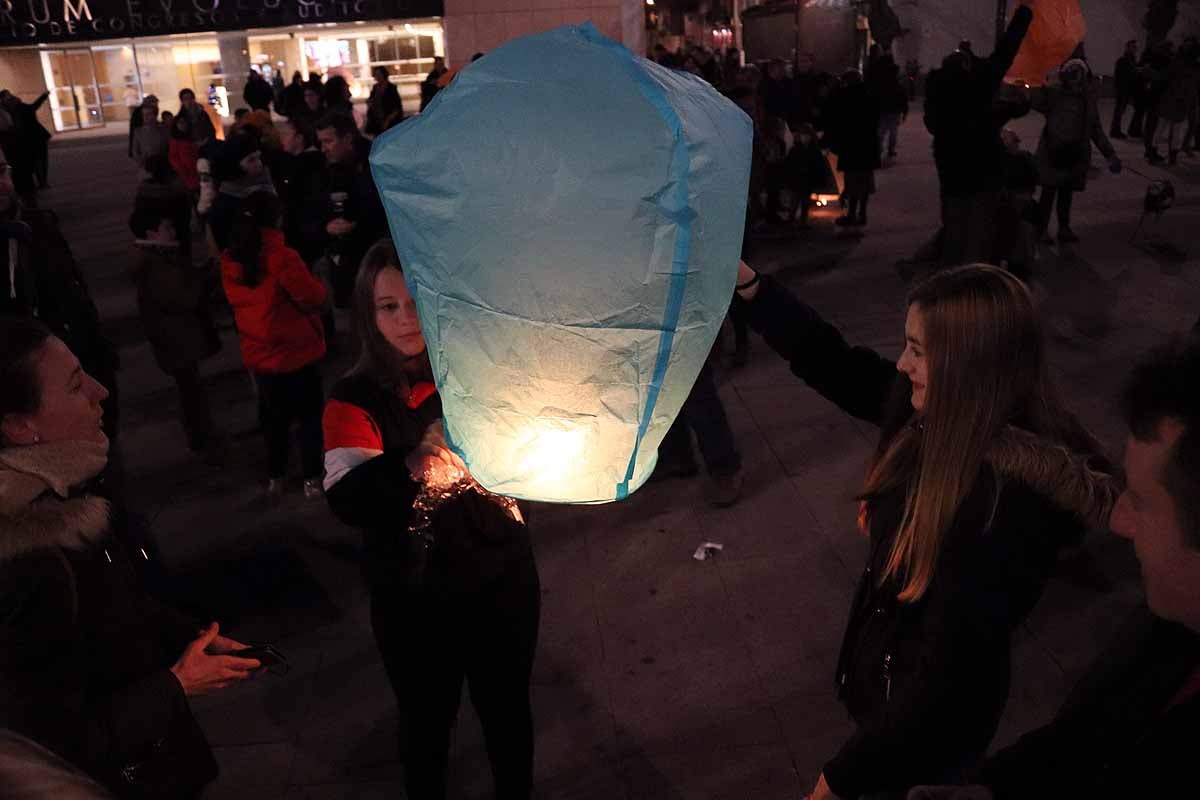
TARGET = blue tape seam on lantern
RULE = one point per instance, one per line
(678, 281)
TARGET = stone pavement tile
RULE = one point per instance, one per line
(264, 710)
(702, 694)
(256, 770)
(829, 495)
(350, 730)
(788, 404)
(375, 790)
(814, 727)
(770, 519)
(762, 772)
(791, 613)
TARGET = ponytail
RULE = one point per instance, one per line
(259, 210)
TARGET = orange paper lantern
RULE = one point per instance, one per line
(1058, 28)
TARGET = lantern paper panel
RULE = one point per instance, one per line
(1057, 29)
(569, 217)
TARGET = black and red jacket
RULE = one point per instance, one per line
(369, 431)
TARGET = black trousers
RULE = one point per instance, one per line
(1123, 100)
(289, 397)
(431, 641)
(704, 414)
(193, 406)
(1046, 205)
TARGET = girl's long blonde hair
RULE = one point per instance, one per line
(987, 370)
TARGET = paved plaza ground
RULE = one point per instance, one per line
(658, 676)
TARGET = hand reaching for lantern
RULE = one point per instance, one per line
(432, 462)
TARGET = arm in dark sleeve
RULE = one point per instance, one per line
(856, 379)
(38, 674)
(36, 104)
(378, 493)
(121, 726)
(1001, 60)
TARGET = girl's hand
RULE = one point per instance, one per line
(744, 276)
(432, 462)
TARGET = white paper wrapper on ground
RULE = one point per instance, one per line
(570, 219)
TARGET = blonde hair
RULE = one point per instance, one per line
(987, 371)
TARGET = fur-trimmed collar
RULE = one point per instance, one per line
(36, 510)
(1063, 476)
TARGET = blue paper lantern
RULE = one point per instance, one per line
(569, 217)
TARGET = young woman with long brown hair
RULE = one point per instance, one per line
(460, 602)
(980, 477)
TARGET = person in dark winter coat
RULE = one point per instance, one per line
(852, 131)
(889, 93)
(276, 305)
(258, 93)
(1129, 727)
(91, 666)
(1064, 152)
(240, 172)
(34, 134)
(298, 169)
(1125, 79)
(963, 112)
(454, 587)
(292, 99)
(338, 98)
(806, 172)
(45, 282)
(351, 218)
(384, 108)
(429, 86)
(980, 477)
(173, 306)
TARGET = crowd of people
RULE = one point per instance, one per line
(981, 478)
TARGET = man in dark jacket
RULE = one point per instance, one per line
(258, 93)
(962, 113)
(1129, 727)
(352, 217)
(1125, 78)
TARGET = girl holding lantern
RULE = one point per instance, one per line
(980, 477)
(465, 608)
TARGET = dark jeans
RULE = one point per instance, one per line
(431, 641)
(889, 128)
(969, 227)
(1123, 99)
(193, 406)
(704, 414)
(1151, 127)
(1046, 205)
(286, 397)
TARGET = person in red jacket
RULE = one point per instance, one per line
(276, 305)
(184, 154)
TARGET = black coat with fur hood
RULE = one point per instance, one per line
(926, 682)
(85, 652)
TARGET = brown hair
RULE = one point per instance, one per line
(376, 356)
(987, 370)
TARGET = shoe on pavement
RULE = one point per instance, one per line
(1117, 135)
(1067, 236)
(844, 221)
(312, 488)
(726, 489)
(1154, 157)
